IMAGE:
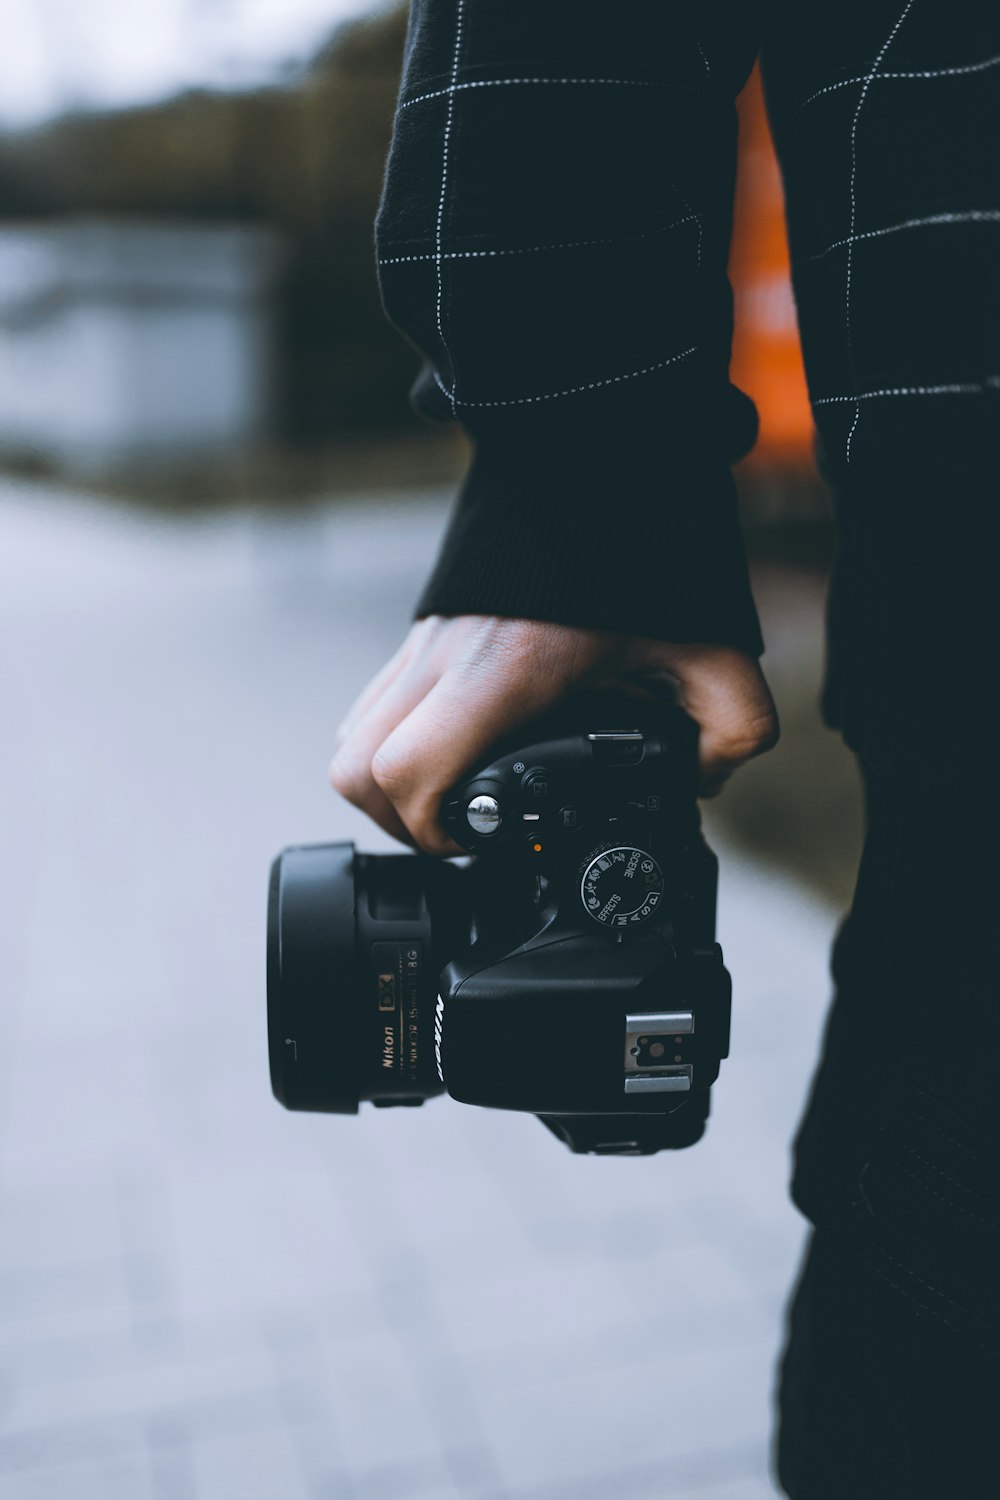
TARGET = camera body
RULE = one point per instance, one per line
(570, 969)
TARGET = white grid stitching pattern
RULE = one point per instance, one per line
(591, 385)
(854, 202)
(956, 72)
(496, 83)
(970, 388)
(623, 239)
(439, 256)
(439, 243)
(689, 213)
(972, 216)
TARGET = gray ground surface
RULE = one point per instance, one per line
(204, 1298)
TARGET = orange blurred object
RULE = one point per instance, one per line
(767, 359)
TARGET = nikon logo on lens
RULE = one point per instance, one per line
(356, 943)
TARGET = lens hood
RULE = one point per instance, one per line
(312, 965)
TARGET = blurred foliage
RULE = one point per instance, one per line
(307, 160)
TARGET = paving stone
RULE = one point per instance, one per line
(125, 1477)
(203, 1297)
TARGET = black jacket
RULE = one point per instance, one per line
(553, 238)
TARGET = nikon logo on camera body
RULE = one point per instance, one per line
(438, 1033)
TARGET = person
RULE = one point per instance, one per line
(552, 237)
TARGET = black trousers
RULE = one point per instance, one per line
(890, 1383)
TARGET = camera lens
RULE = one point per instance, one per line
(355, 944)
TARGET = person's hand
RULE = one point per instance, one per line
(457, 684)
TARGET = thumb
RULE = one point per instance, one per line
(724, 691)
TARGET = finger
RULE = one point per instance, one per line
(465, 713)
(383, 679)
(725, 693)
(351, 767)
(351, 777)
(382, 812)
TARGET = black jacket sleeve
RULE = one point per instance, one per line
(552, 237)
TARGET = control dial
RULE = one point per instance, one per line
(621, 886)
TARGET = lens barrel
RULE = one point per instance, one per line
(354, 951)
(313, 1019)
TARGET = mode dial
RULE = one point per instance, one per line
(621, 886)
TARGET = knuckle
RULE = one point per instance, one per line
(765, 733)
(390, 772)
(347, 776)
(751, 737)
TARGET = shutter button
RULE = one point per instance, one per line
(483, 814)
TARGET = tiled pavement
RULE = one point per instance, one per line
(204, 1298)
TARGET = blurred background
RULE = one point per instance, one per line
(216, 511)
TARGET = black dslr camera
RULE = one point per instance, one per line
(569, 969)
